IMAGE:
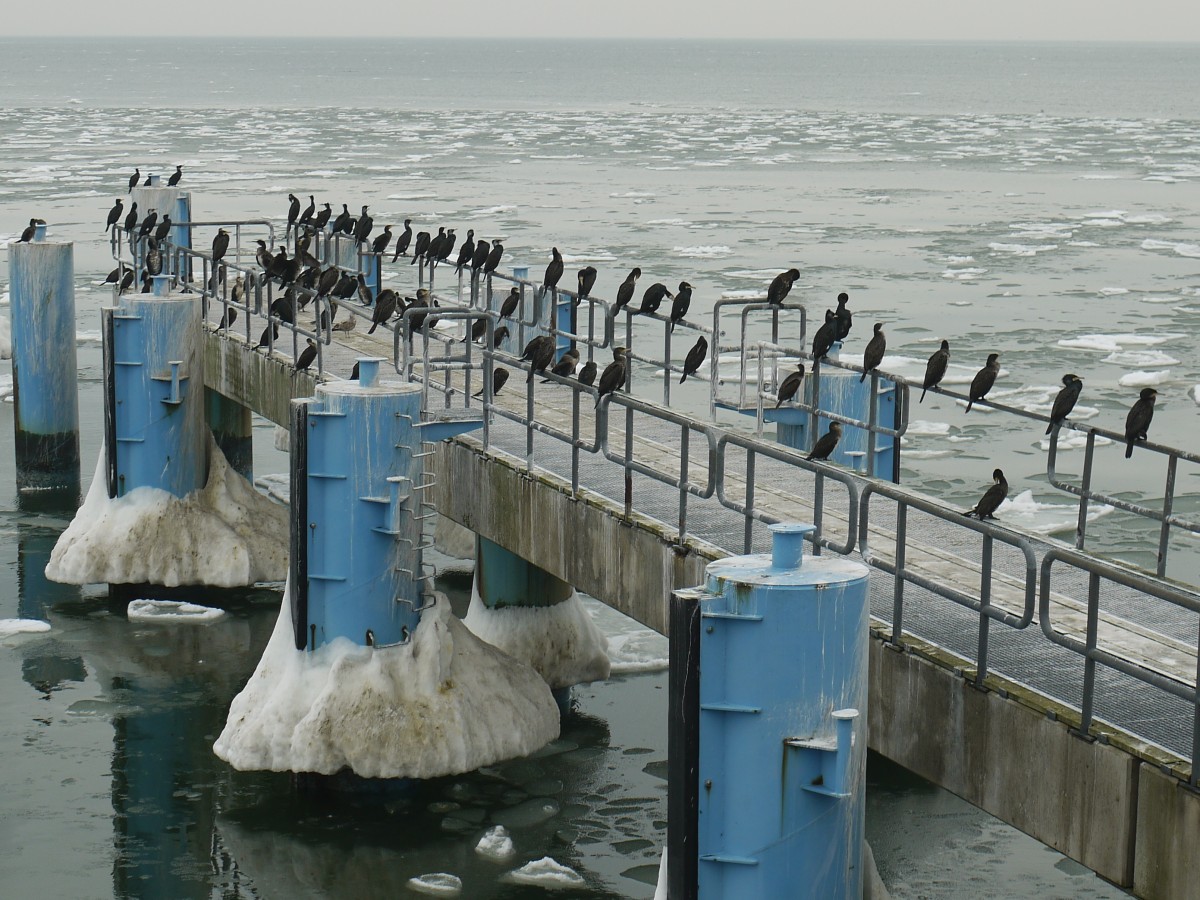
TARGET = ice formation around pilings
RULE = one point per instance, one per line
(561, 641)
(442, 704)
(226, 534)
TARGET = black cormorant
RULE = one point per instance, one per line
(306, 217)
(114, 214)
(587, 280)
(420, 247)
(511, 302)
(176, 175)
(307, 355)
(653, 298)
(1138, 420)
(380, 244)
(163, 229)
(465, 252)
(991, 499)
(499, 379)
(565, 367)
(613, 376)
(873, 355)
(790, 386)
(293, 212)
(1065, 401)
(781, 285)
(322, 218)
(984, 379)
(679, 307)
(935, 369)
(132, 218)
(695, 358)
(587, 375)
(829, 440)
(404, 240)
(540, 353)
(133, 180)
(148, 224)
(554, 271)
(499, 336)
(826, 335)
(343, 219)
(493, 258)
(844, 318)
(362, 228)
(479, 257)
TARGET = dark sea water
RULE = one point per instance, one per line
(1003, 196)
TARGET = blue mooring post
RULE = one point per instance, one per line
(155, 435)
(564, 322)
(45, 376)
(767, 727)
(358, 506)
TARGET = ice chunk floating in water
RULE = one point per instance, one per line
(547, 873)
(442, 704)
(171, 611)
(439, 884)
(226, 534)
(495, 844)
(10, 627)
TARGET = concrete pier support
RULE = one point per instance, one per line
(154, 400)
(232, 427)
(504, 579)
(45, 376)
(767, 727)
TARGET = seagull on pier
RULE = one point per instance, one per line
(991, 499)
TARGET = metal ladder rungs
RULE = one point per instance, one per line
(318, 577)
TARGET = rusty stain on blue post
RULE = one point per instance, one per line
(45, 376)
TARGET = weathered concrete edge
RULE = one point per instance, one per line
(1165, 862)
(265, 384)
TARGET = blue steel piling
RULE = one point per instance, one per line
(358, 508)
(767, 739)
(155, 433)
(45, 376)
(505, 579)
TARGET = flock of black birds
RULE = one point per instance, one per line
(481, 257)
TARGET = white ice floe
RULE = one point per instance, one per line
(1144, 379)
(1138, 358)
(443, 703)
(439, 884)
(5, 338)
(546, 873)
(1021, 249)
(170, 612)
(1196, 394)
(632, 647)
(1111, 343)
(921, 428)
(6, 388)
(1069, 439)
(9, 627)
(561, 642)
(1113, 291)
(703, 252)
(1178, 247)
(226, 534)
(495, 844)
(276, 485)
(660, 889)
(1046, 518)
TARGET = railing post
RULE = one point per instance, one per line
(985, 603)
(1164, 537)
(898, 576)
(1089, 665)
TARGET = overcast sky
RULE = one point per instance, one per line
(1087, 20)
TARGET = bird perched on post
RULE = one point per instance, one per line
(984, 379)
(827, 443)
(306, 217)
(293, 213)
(131, 219)
(625, 291)
(163, 229)
(114, 214)
(493, 258)
(695, 358)
(1138, 420)
(176, 175)
(565, 367)
(613, 375)
(362, 228)
(343, 219)
(587, 280)
(420, 246)
(321, 219)
(844, 319)
(146, 183)
(262, 255)
(789, 387)
(306, 356)
(403, 241)
(479, 257)
(477, 330)
(991, 499)
(227, 319)
(873, 355)
(653, 298)
(781, 285)
(825, 336)
(935, 369)
(153, 257)
(1065, 401)
(587, 375)
(28, 233)
(435, 246)
(148, 224)
(238, 292)
(499, 379)
(447, 246)
(511, 302)
(465, 252)
(126, 281)
(539, 353)
(133, 180)
(385, 307)
(554, 271)
(679, 307)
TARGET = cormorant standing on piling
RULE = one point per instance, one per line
(146, 183)
(131, 219)
(1138, 420)
(991, 499)
(984, 379)
(114, 276)
(126, 281)
(873, 355)
(465, 252)
(653, 298)
(613, 376)
(554, 271)
(587, 375)
(293, 213)
(133, 180)
(781, 285)
(306, 217)
(380, 244)
(695, 358)
(148, 224)
(511, 302)
(343, 219)
(153, 257)
(322, 218)
(163, 229)
(147, 281)
(935, 369)
(404, 240)
(114, 214)
(827, 443)
(29, 232)
(540, 353)
(362, 228)
(790, 385)
(683, 300)
(420, 247)
(587, 280)
(565, 367)
(174, 179)
(306, 356)
(493, 258)
(1065, 401)
(844, 318)
(499, 379)
(354, 372)
(479, 257)
(825, 336)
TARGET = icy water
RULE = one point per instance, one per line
(1004, 197)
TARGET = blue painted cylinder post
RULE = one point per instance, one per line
(505, 579)
(45, 376)
(767, 731)
(155, 433)
(232, 428)
(357, 500)
(564, 322)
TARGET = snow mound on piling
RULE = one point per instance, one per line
(226, 534)
(561, 641)
(442, 704)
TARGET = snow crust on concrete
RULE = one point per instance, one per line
(439, 884)
(5, 338)
(444, 703)
(561, 642)
(495, 844)
(226, 534)
(171, 612)
(546, 873)
(9, 627)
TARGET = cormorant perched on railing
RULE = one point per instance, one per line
(539, 353)
(163, 229)
(465, 252)
(827, 443)
(227, 318)
(984, 379)
(380, 244)
(653, 298)
(307, 216)
(293, 213)
(421, 247)
(789, 386)
(175, 177)
(499, 379)
(114, 214)
(322, 218)
(991, 499)
(435, 245)
(824, 338)
(263, 256)
(873, 355)
(153, 257)
(306, 356)
(625, 291)
(343, 219)
(131, 219)
(681, 304)
(781, 285)
(1138, 420)
(499, 336)
(587, 375)
(133, 180)
(935, 369)
(446, 246)
(844, 319)
(587, 280)
(695, 358)
(148, 224)
(554, 271)
(613, 376)
(493, 258)
(509, 306)
(404, 240)
(1065, 401)
(362, 228)
(565, 367)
